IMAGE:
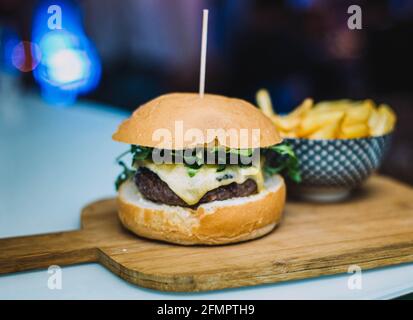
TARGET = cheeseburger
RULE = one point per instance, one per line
(204, 170)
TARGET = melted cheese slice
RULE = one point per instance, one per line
(192, 189)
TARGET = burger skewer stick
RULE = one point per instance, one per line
(203, 53)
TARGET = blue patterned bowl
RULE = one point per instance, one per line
(330, 169)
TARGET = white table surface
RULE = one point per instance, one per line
(54, 160)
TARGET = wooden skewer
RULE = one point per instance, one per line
(203, 53)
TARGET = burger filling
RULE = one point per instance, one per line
(155, 189)
(189, 185)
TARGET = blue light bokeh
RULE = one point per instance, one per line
(70, 64)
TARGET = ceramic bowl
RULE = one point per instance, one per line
(331, 169)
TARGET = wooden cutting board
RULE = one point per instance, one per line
(373, 229)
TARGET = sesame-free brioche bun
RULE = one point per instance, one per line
(213, 223)
(212, 112)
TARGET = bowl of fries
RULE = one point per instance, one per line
(339, 143)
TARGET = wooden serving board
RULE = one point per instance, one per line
(373, 229)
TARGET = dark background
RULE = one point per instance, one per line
(295, 48)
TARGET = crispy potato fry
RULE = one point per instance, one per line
(385, 109)
(384, 122)
(340, 105)
(327, 132)
(286, 123)
(288, 134)
(359, 113)
(314, 121)
(264, 102)
(338, 119)
(373, 121)
(302, 109)
(358, 130)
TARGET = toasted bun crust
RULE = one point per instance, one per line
(148, 124)
(217, 222)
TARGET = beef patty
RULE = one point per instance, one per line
(154, 189)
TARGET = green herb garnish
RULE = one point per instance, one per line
(140, 153)
(126, 174)
(285, 161)
(192, 171)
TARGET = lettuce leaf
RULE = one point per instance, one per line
(278, 159)
(281, 158)
(126, 174)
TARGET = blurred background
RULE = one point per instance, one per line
(123, 53)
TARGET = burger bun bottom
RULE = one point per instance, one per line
(213, 223)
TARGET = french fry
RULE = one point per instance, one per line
(373, 121)
(290, 122)
(338, 105)
(385, 121)
(337, 119)
(286, 123)
(359, 113)
(288, 134)
(302, 109)
(385, 109)
(314, 121)
(327, 132)
(358, 130)
(264, 102)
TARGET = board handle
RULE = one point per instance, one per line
(42, 251)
